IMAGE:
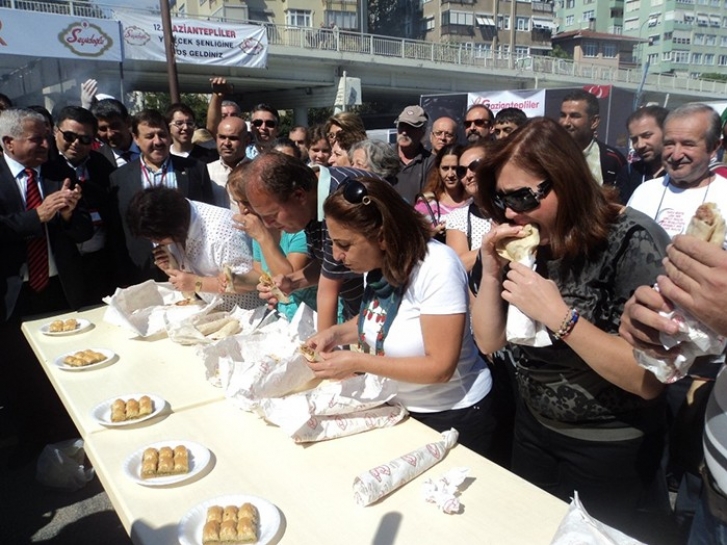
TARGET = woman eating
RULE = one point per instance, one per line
(414, 320)
(588, 419)
(442, 193)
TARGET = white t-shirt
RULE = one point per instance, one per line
(673, 207)
(438, 286)
(458, 220)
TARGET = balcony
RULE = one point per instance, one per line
(458, 30)
(542, 7)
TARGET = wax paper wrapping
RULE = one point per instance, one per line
(444, 492)
(694, 339)
(335, 408)
(186, 332)
(579, 528)
(379, 481)
(147, 308)
(265, 362)
(519, 328)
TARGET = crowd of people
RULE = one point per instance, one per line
(397, 249)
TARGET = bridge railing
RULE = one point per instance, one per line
(342, 41)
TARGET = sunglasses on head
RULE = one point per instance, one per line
(525, 199)
(478, 122)
(356, 193)
(269, 123)
(71, 137)
(462, 170)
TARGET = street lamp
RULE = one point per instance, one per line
(652, 21)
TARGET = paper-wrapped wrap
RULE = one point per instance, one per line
(335, 408)
(444, 492)
(579, 527)
(519, 328)
(381, 480)
(212, 327)
(148, 308)
(263, 363)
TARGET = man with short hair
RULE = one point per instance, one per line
(264, 123)
(155, 166)
(645, 127)
(478, 123)
(74, 133)
(580, 116)
(415, 159)
(182, 124)
(114, 130)
(232, 140)
(506, 121)
(285, 194)
(299, 135)
(444, 133)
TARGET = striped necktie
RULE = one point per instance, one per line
(37, 246)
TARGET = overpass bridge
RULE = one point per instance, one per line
(304, 65)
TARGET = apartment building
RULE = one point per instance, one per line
(683, 37)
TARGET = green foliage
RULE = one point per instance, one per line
(559, 53)
(713, 76)
(162, 101)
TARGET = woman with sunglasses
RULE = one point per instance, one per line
(442, 193)
(347, 122)
(588, 417)
(467, 225)
(413, 323)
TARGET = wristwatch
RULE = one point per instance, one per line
(197, 284)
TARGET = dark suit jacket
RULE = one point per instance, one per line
(17, 225)
(206, 155)
(612, 161)
(137, 264)
(98, 273)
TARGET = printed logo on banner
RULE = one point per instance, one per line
(134, 35)
(85, 39)
(252, 46)
(601, 91)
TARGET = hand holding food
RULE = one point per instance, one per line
(267, 281)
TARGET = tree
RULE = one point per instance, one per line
(162, 101)
(560, 53)
(401, 18)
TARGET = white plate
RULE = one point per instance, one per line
(102, 412)
(190, 527)
(83, 325)
(199, 458)
(110, 358)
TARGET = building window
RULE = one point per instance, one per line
(709, 59)
(571, 19)
(698, 40)
(724, 22)
(588, 15)
(522, 23)
(521, 52)
(711, 40)
(590, 49)
(570, 4)
(430, 23)
(298, 17)
(685, 1)
(483, 50)
(458, 18)
(723, 41)
(347, 19)
(722, 60)
(696, 58)
(609, 51)
(503, 22)
(681, 57)
(657, 2)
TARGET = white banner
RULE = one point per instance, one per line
(195, 42)
(532, 102)
(59, 36)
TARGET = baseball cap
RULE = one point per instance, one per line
(414, 116)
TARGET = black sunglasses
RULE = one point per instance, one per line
(462, 170)
(478, 123)
(525, 199)
(356, 193)
(71, 137)
(269, 123)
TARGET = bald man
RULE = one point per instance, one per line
(444, 133)
(232, 139)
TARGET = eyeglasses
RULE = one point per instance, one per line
(478, 123)
(180, 124)
(71, 137)
(269, 123)
(525, 199)
(462, 170)
(356, 193)
(445, 134)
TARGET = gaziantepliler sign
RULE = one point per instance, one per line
(195, 42)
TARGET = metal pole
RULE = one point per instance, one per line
(169, 48)
(640, 90)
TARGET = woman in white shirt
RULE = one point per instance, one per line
(413, 324)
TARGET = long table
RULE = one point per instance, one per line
(311, 485)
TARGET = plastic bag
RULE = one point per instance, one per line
(60, 465)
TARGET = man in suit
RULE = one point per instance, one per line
(74, 132)
(114, 130)
(41, 223)
(154, 167)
